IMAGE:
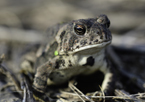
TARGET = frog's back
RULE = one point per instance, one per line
(51, 32)
(46, 50)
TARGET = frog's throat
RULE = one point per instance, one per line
(98, 46)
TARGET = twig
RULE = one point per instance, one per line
(102, 93)
(10, 75)
(123, 96)
(28, 95)
(7, 85)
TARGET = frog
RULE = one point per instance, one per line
(74, 48)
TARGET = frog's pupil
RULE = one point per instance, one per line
(79, 29)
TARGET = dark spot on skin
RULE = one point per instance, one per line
(90, 43)
(57, 73)
(98, 32)
(76, 41)
(63, 62)
(90, 61)
(72, 41)
(101, 37)
(96, 40)
(60, 47)
(61, 75)
(51, 78)
(83, 42)
(57, 64)
(50, 64)
(70, 64)
(92, 37)
(65, 40)
(77, 46)
(62, 34)
(69, 61)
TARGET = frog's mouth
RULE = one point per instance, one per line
(91, 47)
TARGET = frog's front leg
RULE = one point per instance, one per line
(108, 83)
(40, 81)
(42, 73)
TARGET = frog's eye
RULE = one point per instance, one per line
(80, 29)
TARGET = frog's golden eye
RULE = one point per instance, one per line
(80, 29)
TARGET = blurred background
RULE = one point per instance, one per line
(24, 21)
(40, 14)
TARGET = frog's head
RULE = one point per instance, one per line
(84, 35)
